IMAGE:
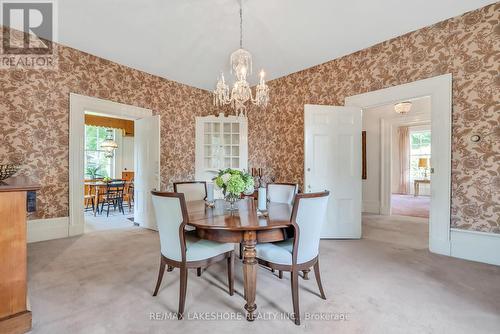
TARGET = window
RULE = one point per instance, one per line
(96, 164)
(420, 147)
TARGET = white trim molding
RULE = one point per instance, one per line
(439, 89)
(475, 246)
(79, 105)
(47, 229)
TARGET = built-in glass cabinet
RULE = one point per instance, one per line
(221, 142)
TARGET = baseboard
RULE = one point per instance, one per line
(475, 246)
(47, 229)
(371, 207)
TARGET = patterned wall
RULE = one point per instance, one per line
(467, 46)
(34, 118)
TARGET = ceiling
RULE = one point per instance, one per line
(189, 41)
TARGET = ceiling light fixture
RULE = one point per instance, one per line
(402, 108)
(109, 144)
(241, 66)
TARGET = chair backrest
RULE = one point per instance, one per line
(115, 189)
(308, 218)
(171, 217)
(192, 190)
(281, 192)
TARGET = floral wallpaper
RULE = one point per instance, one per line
(34, 110)
(467, 46)
(34, 119)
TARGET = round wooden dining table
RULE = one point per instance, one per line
(241, 226)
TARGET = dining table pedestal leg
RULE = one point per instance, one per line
(250, 272)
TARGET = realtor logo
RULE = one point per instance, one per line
(28, 33)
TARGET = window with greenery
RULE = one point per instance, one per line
(420, 147)
(96, 164)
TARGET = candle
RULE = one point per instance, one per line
(210, 192)
(262, 203)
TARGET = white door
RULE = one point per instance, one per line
(146, 168)
(332, 147)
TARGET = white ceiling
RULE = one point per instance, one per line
(189, 41)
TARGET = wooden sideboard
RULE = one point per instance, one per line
(14, 315)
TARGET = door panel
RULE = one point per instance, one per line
(333, 162)
(147, 169)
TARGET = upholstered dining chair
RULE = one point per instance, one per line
(302, 251)
(281, 192)
(192, 190)
(181, 249)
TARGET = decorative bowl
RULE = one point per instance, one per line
(7, 170)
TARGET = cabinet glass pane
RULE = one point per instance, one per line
(216, 127)
(227, 162)
(208, 163)
(236, 127)
(235, 151)
(208, 127)
(216, 139)
(236, 139)
(227, 139)
(227, 150)
(208, 139)
(236, 163)
(227, 127)
(208, 150)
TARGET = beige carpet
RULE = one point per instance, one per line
(387, 282)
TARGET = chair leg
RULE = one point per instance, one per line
(160, 277)
(107, 213)
(182, 292)
(198, 272)
(295, 296)
(306, 274)
(280, 274)
(318, 279)
(241, 251)
(230, 273)
(93, 204)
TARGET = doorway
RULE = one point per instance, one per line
(407, 165)
(146, 157)
(438, 89)
(109, 172)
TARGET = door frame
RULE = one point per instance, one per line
(439, 88)
(78, 105)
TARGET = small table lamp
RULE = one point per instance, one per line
(423, 163)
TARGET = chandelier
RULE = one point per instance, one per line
(109, 145)
(241, 93)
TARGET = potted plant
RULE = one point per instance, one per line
(93, 172)
(233, 183)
